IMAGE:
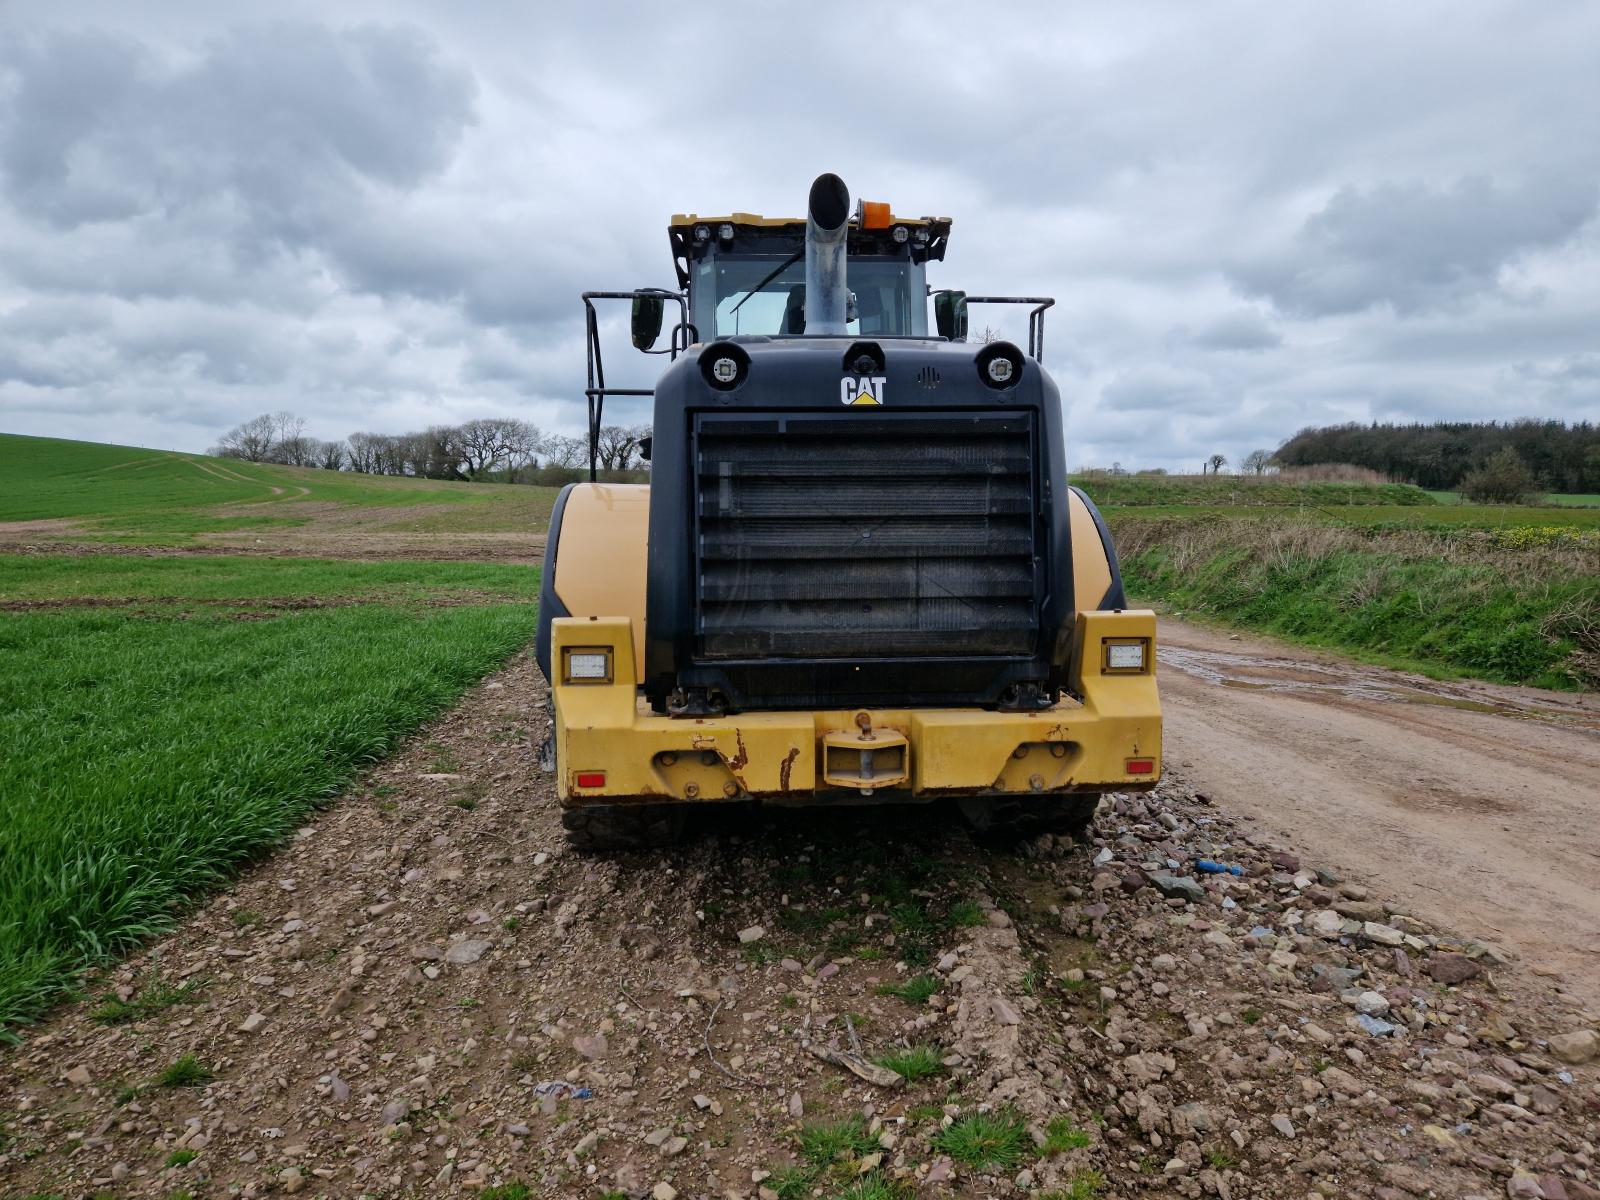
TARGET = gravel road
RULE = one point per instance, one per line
(405, 1000)
(1470, 803)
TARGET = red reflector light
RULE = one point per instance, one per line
(591, 779)
(1141, 766)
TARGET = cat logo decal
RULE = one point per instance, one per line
(861, 389)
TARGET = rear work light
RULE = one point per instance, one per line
(1136, 766)
(1125, 656)
(591, 779)
(586, 665)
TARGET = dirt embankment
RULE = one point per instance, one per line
(391, 1004)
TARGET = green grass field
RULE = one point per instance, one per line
(1235, 491)
(181, 579)
(150, 751)
(1575, 500)
(1547, 500)
(161, 497)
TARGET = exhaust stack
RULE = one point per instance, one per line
(827, 223)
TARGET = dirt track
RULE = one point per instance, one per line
(380, 1002)
(1471, 803)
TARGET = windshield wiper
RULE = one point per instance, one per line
(778, 270)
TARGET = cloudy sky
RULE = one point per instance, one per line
(1255, 216)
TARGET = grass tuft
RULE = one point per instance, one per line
(985, 1140)
(791, 1183)
(187, 1071)
(825, 1142)
(966, 914)
(876, 1186)
(1061, 1135)
(828, 1149)
(154, 997)
(918, 1062)
(915, 990)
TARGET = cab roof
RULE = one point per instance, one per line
(757, 219)
(752, 233)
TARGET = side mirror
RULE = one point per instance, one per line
(950, 315)
(646, 321)
(646, 445)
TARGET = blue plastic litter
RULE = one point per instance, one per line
(561, 1089)
(1216, 868)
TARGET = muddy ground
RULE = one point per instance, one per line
(392, 1004)
(331, 531)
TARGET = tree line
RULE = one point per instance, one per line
(1554, 456)
(503, 448)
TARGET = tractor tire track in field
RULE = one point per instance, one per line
(211, 468)
(385, 1007)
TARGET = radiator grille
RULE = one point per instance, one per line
(891, 536)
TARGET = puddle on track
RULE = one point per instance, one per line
(1249, 672)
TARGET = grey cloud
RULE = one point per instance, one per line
(1415, 247)
(1163, 389)
(1571, 381)
(215, 175)
(273, 121)
(1242, 329)
(1253, 218)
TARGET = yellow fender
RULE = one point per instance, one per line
(596, 561)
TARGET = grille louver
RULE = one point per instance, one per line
(865, 537)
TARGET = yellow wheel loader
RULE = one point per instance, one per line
(858, 574)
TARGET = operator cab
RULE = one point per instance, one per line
(746, 274)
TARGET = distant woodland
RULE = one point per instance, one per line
(1557, 456)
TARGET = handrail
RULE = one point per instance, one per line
(1035, 318)
(597, 391)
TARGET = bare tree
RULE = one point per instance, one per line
(1216, 462)
(388, 454)
(252, 441)
(522, 445)
(1256, 461)
(986, 335)
(289, 442)
(491, 442)
(434, 453)
(562, 451)
(363, 452)
(329, 456)
(287, 427)
(617, 446)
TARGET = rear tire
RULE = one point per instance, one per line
(1016, 818)
(623, 826)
